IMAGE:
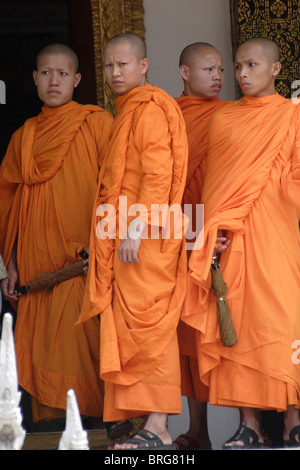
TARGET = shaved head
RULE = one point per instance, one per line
(202, 70)
(58, 49)
(257, 66)
(191, 50)
(125, 62)
(137, 44)
(269, 48)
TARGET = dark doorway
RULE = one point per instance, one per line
(25, 28)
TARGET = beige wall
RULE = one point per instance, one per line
(173, 24)
(170, 26)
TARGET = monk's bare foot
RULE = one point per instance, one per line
(249, 433)
(291, 420)
(245, 437)
(198, 429)
(154, 434)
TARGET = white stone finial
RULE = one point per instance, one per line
(74, 437)
(12, 434)
(2, 92)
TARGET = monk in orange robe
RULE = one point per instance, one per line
(48, 182)
(137, 280)
(251, 192)
(202, 70)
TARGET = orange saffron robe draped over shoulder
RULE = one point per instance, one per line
(48, 183)
(140, 303)
(197, 113)
(251, 190)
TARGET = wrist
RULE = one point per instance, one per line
(135, 229)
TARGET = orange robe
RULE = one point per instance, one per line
(197, 113)
(48, 182)
(140, 303)
(251, 190)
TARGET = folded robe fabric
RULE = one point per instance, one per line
(139, 304)
(197, 113)
(48, 182)
(251, 190)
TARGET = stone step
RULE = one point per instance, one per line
(49, 441)
(97, 438)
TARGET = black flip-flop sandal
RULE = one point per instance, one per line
(293, 442)
(249, 438)
(147, 440)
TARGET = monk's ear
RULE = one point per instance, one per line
(276, 68)
(144, 65)
(34, 74)
(184, 72)
(77, 80)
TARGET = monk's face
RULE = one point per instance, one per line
(204, 74)
(255, 71)
(56, 79)
(124, 70)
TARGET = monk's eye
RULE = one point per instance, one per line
(123, 63)
(251, 64)
(107, 66)
(237, 67)
(45, 72)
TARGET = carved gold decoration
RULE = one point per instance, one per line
(279, 20)
(111, 17)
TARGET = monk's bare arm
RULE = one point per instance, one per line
(9, 283)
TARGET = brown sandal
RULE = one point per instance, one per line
(117, 429)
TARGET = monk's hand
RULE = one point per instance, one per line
(8, 284)
(86, 266)
(84, 254)
(128, 250)
(129, 247)
(222, 242)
